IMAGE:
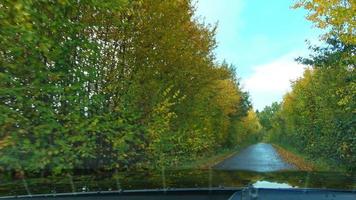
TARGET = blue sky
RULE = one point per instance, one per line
(261, 38)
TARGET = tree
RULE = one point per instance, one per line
(336, 15)
(266, 115)
(316, 116)
(112, 85)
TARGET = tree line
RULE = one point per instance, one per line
(116, 84)
(318, 116)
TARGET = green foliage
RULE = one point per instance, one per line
(246, 131)
(338, 16)
(115, 84)
(266, 116)
(318, 116)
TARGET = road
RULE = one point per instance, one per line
(260, 157)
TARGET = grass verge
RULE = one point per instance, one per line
(303, 162)
(294, 159)
(209, 161)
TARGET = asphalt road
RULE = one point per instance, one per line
(259, 157)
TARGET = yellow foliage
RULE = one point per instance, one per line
(227, 96)
(335, 14)
(251, 122)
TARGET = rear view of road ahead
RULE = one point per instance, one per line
(260, 157)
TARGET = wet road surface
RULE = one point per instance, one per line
(259, 157)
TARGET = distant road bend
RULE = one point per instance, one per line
(260, 157)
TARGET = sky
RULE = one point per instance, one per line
(261, 39)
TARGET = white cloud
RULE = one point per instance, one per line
(227, 13)
(270, 81)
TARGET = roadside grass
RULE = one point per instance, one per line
(305, 163)
(294, 159)
(209, 161)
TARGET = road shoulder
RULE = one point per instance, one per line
(211, 161)
(293, 159)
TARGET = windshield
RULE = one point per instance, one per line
(146, 94)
